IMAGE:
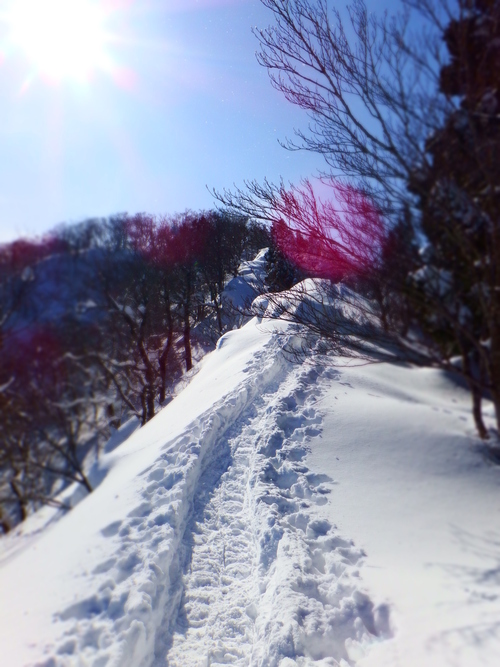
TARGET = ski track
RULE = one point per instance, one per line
(225, 560)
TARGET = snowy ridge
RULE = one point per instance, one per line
(212, 538)
(222, 558)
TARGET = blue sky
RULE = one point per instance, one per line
(180, 105)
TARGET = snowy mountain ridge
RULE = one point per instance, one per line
(272, 514)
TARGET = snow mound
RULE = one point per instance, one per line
(241, 290)
(311, 300)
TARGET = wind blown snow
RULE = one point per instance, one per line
(272, 514)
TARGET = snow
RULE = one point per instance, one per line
(272, 514)
(428, 517)
(243, 288)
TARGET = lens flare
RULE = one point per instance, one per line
(63, 39)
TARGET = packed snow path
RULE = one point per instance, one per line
(263, 579)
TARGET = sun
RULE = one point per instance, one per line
(63, 39)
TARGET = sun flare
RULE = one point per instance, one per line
(63, 39)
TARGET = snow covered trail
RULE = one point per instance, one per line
(266, 582)
(205, 544)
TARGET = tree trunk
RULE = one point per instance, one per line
(187, 343)
(162, 361)
(477, 412)
(187, 325)
(21, 502)
(495, 397)
(150, 403)
(495, 335)
(74, 461)
(144, 417)
(84, 481)
(148, 393)
(476, 393)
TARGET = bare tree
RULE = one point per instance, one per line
(369, 88)
(378, 95)
(52, 416)
(91, 326)
(337, 244)
(129, 318)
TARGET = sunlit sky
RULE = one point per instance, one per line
(134, 105)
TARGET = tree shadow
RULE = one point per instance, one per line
(481, 583)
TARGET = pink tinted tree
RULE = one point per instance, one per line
(152, 239)
(343, 242)
(340, 238)
(182, 243)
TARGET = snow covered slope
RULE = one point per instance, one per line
(273, 514)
